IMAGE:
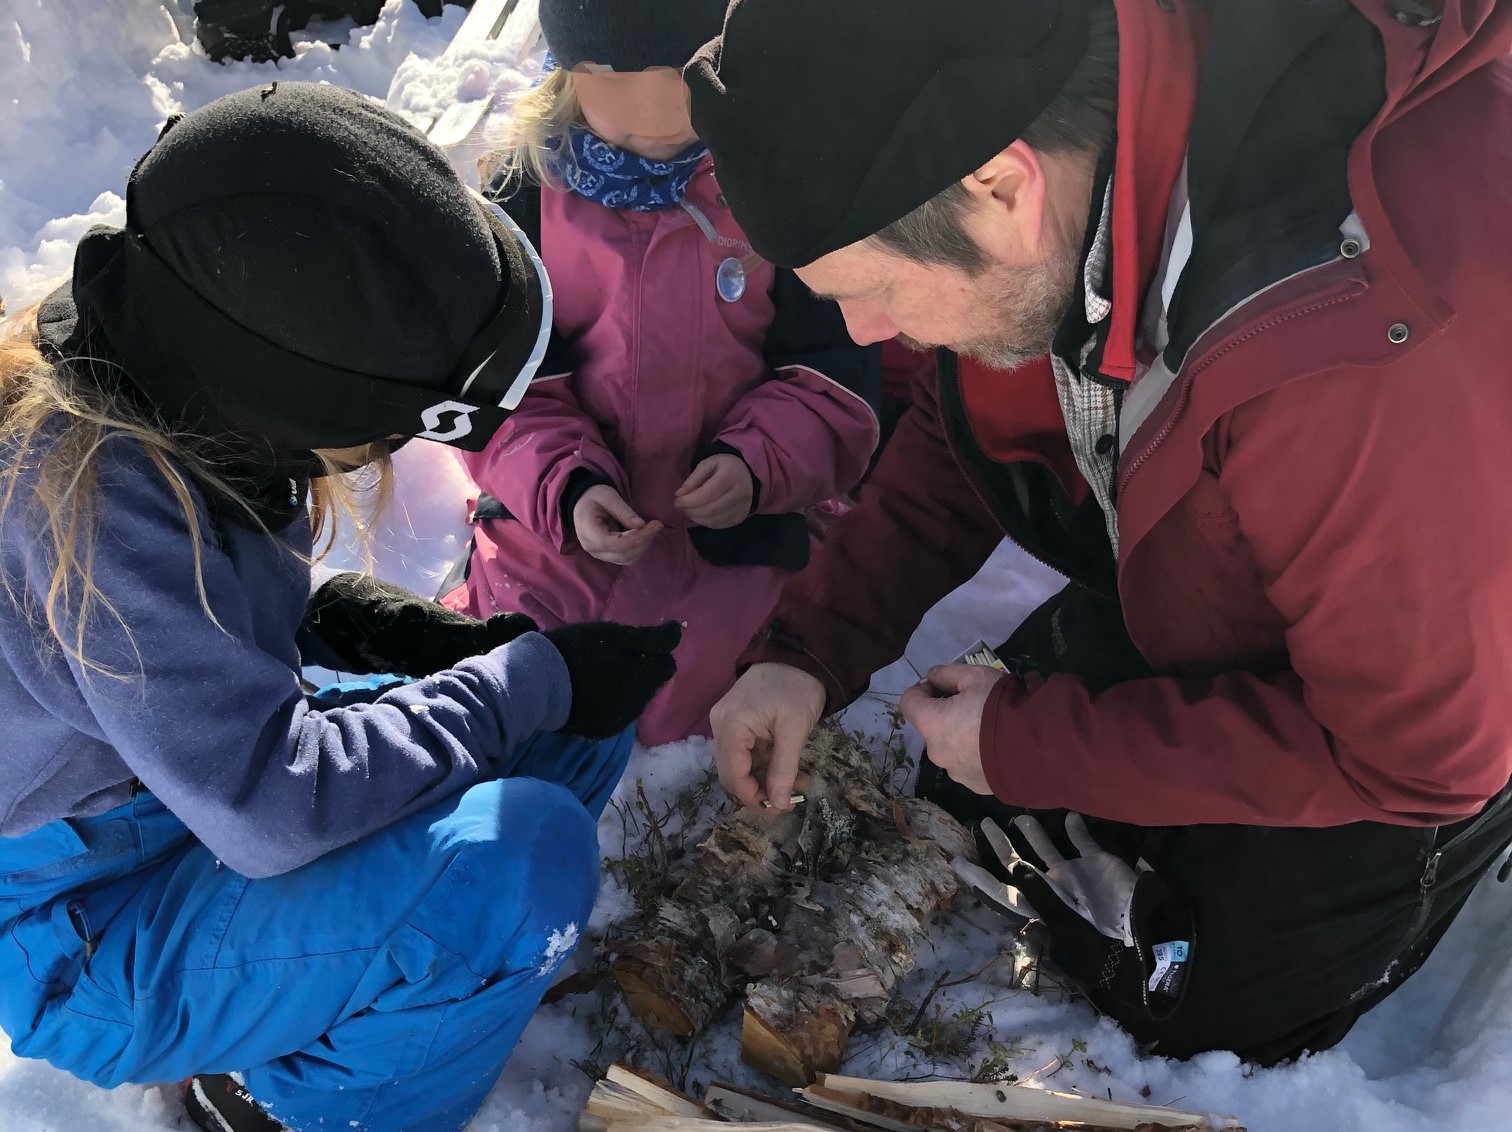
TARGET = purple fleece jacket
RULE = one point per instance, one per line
(211, 718)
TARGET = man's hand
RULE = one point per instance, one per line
(718, 494)
(609, 529)
(946, 706)
(760, 728)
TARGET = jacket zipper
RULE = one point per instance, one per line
(1431, 866)
(1127, 472)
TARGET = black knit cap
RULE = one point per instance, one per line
(629, 35)
(830, 119)
(301, 269)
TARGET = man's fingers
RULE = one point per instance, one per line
(919, 705)
(952, 679)
(789, 734)
(734, 757)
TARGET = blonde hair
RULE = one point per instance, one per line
(54, 426)
(539, 125)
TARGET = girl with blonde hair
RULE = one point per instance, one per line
(318, 919)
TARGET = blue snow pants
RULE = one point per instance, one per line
(379, 988)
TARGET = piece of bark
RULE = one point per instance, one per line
(821, 908)
(793, 1032)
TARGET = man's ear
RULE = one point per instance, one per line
(1010, 191)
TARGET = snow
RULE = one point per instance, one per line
(559, 945)
(84, 88)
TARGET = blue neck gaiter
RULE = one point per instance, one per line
(617, 178)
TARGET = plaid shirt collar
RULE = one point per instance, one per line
(1095, 270)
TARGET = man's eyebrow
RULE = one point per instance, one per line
(851, 298)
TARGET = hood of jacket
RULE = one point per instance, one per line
(1289, 99)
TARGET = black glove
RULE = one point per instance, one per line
(374, 626)
(615, 670)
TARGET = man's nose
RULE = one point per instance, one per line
(867, 324)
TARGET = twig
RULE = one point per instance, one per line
(1058, 1061)
(918, 1017)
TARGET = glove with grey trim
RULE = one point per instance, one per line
(1102, 913)
(1097, 886)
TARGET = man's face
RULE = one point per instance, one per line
(1003, 316)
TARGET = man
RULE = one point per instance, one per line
(1264, 247)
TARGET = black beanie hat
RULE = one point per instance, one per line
(301, 269)
(629, 35)
(829, 119)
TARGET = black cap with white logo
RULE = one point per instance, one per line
(300, 269)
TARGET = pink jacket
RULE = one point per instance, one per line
(652, 372)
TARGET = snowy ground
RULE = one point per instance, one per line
(85, 85)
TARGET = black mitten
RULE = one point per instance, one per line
(374, 626)
(615, 670)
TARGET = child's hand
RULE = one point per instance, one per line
(609, 530)
(718, 493)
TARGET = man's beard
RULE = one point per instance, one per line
(1024, 305)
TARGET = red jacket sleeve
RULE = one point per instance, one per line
(1388, 554)
(919, 531)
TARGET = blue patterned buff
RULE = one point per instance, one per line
(617, 178)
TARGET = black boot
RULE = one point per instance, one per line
(217, 1102)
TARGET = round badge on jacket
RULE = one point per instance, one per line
(731, 280)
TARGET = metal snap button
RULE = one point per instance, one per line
(1350, 248)
(1398, 333)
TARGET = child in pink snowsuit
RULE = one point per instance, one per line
(695, 401)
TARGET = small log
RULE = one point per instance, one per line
(820, 907)
(672, 970)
